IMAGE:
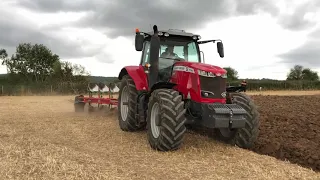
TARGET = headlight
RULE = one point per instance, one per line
(195, 37)
(210, 74)
(202, 73)
(205, 73)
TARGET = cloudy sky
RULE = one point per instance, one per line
(262, 38)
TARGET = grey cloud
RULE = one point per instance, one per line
(253, 6)
(315, 34)
(121, 17)
(296, 21)
(105, 58)
(307, 55)
(57, 5)
(15, 30)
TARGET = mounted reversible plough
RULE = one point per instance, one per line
(95, 88)
(172, 88)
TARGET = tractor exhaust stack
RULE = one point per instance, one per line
(154, 57)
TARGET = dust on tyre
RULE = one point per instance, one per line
(243, 137)
(166, 120)
(127, 102)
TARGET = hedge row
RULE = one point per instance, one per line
(67, 88)
(280, 85)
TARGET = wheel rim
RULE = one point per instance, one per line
(124, 108)
(155, 130)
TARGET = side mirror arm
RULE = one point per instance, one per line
(201, 52)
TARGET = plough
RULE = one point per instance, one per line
(101, 89)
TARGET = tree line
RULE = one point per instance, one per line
(36, 66)
(298, 78)
(297, 73)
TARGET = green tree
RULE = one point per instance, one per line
(231, 73)
(308, 74)
(298, 72)
(73, 75)
(295, 73)
(33, 62)
(3, 57)
(3, 54)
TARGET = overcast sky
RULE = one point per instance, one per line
(262, 38)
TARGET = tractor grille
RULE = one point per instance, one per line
(212, 87)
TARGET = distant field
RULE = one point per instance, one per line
(279, 93)
(285, 93)
(42, 138)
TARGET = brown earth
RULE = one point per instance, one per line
(42, 138)
(290, 128)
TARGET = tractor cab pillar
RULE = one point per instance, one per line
(153, 74)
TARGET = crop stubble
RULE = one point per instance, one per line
(41, 137)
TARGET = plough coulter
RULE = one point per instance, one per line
(173, 88)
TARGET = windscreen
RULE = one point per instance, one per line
(173, 50)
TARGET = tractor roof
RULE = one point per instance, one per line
(176, 32)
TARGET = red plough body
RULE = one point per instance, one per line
(80, 101)
(100, 100)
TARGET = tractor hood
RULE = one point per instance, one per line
(202, 66)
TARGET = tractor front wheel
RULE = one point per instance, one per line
(166, 120)
(244, 137)
(127, 102)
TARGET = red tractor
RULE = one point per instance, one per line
(171, 88)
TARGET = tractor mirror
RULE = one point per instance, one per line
(220, 49)
(139, 42)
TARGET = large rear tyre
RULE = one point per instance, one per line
(127, 102)
(244, 137)
(166, 120)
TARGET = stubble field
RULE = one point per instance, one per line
(42, 138)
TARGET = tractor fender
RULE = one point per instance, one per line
(137, 74)
(234, 89)
(164, 85)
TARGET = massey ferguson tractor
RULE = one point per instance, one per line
(172, 87)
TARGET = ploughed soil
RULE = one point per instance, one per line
(290, 128)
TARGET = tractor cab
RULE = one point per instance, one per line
(162, 49)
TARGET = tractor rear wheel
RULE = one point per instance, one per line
(127, 102)
(166, 120)
(244, 137)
